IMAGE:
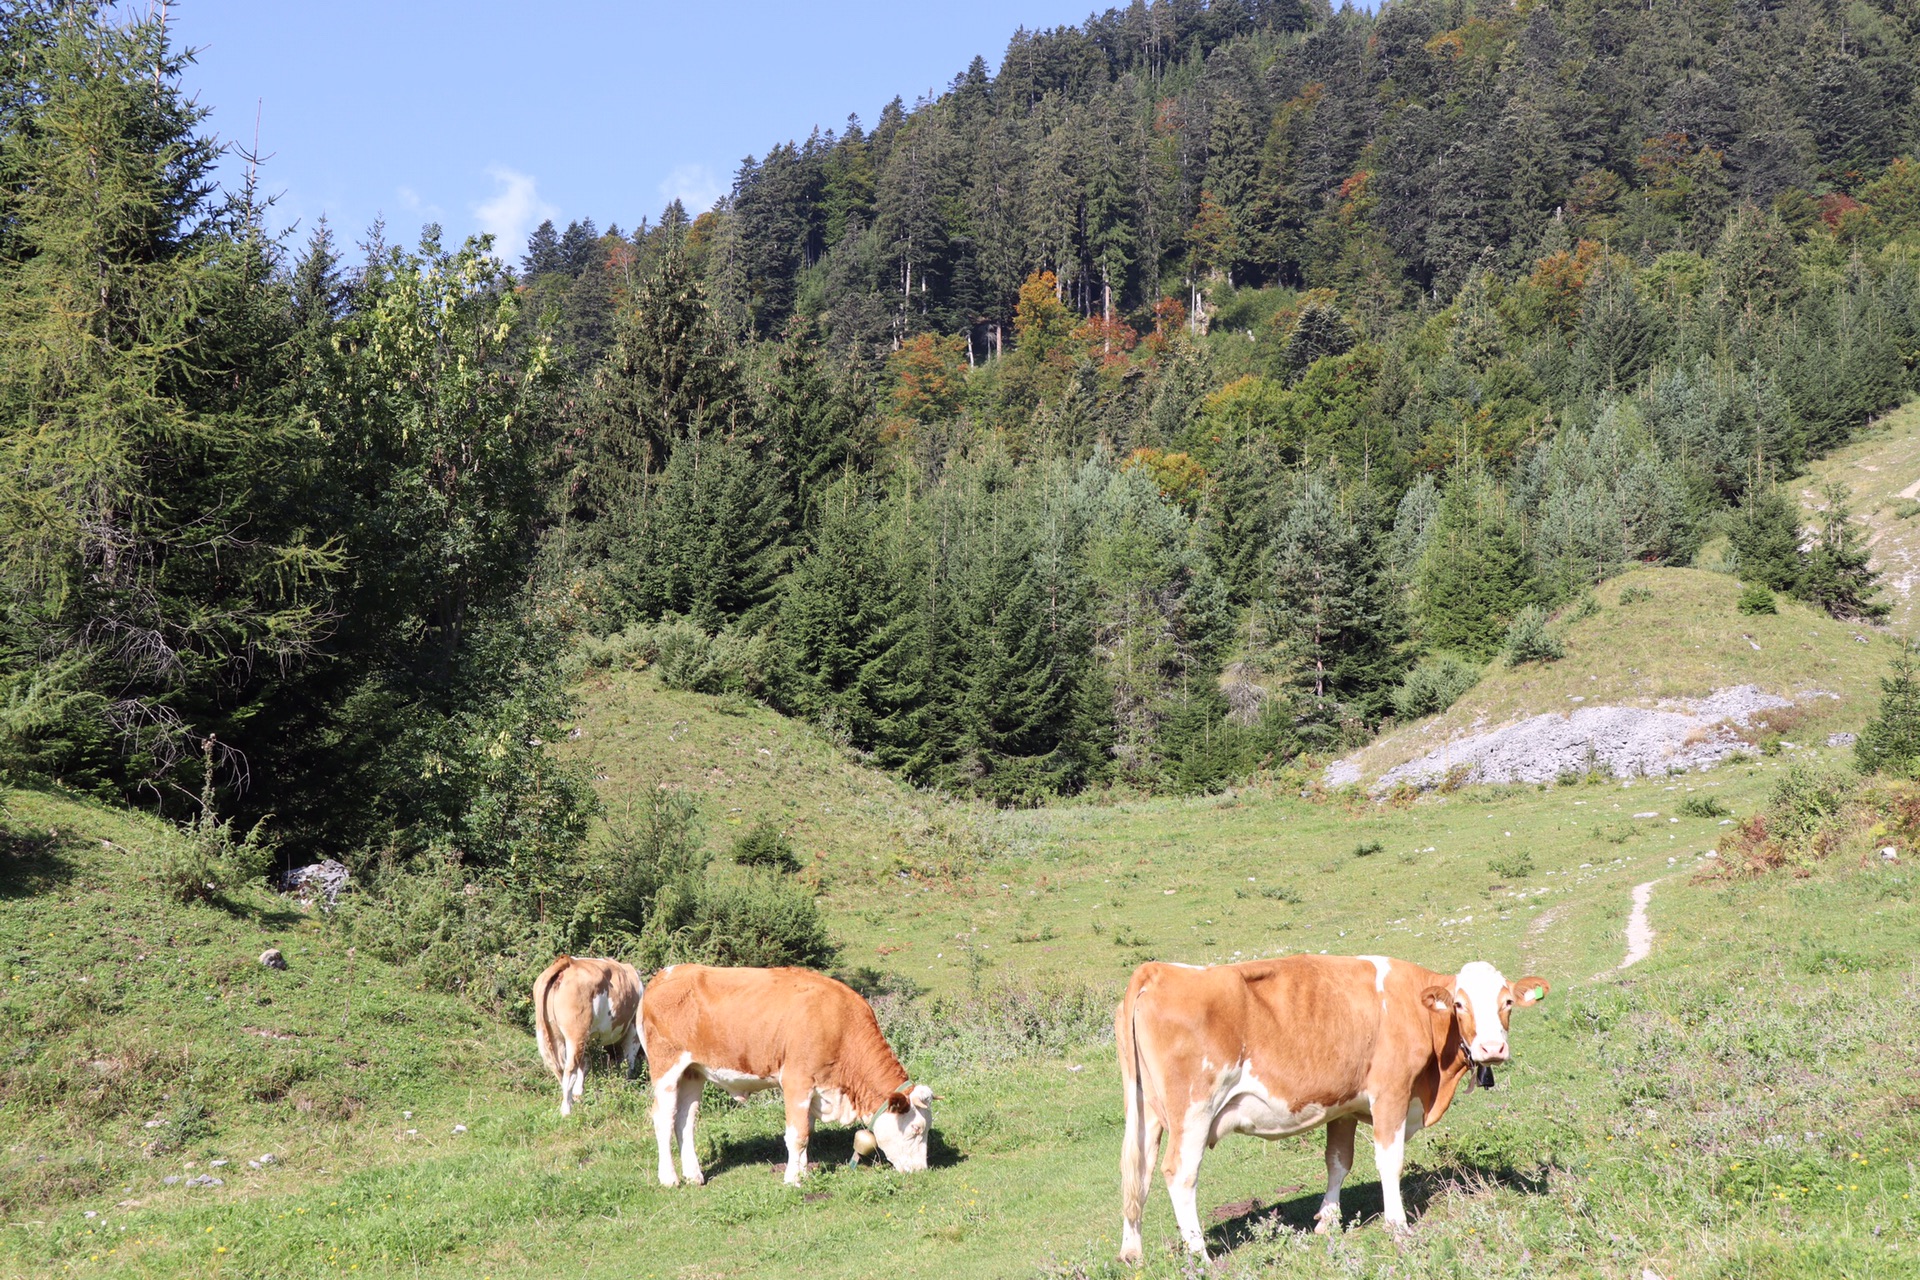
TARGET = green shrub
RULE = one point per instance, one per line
(1367, 848)
(1433, 686)
(1755, 599)
(1905, 508)
(761, 918)
(1635, 594)
(1515, 866)
(765, 845)
(1704, 807)
(482, 937)
(205, 860)
(1282, 893)
(684, 654)
(1528, 639)
(1805, 798)
(1588, 607)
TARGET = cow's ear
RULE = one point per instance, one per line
(1530, 990)
(1437, 999)
(898, 1104)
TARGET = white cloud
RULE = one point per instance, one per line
(515, 210)
(695, 186)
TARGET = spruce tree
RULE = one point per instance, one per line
(1890, 743)
(1764, 536)
(1472, 579)
(1838, 576)
(1333, 602)
(153, 557)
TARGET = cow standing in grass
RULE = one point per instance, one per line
(752, 1029)
(1273, 1048)
(581, 1004)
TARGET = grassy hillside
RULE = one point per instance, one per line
(1738, 1104)
(1675, 634)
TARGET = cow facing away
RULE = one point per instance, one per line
(752, 1029)
(579, 1005)
(1273, 1048)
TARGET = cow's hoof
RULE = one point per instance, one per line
(1131, 1255)
(694, 1179)
(669, 1180)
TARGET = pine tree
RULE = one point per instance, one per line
(1838, 576)
(1764, 536)
(1890, 743)
(152, 555)
(1333, 602)
(1472, 580)
(668, 377)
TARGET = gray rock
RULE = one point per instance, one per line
(322, 881)
(272, 958)
(268, 1159)
(215, 1164)
(205, 1180)
(1842, 739)
(1889, 854)
(170, 1179)
(1679, 735)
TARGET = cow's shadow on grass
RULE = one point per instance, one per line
(1361, 1203)
(31, 863)
(827, 1147)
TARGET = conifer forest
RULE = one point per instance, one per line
(1202, 389)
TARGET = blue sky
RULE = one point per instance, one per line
(484, 115)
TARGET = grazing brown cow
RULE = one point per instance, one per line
(751, 1029)
(581, 1004)
(1277, 1047)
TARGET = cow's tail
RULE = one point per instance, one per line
(553, 1047)
(1136, 1157)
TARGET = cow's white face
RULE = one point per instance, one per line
(1483, 1002)
(902, 1129)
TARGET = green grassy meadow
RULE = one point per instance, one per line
(1745, 1102)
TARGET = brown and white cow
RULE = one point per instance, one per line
(752, 1029)
(579, 1005)
(1277, 1047)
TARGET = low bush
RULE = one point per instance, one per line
(1514, 866)
(1635, 594)
(1756, 599)
(1804, 819)
(760, 919)
(764, 844)
(205, 860)
(1529, 640)
(685, 656)
(1433, 686)
(1703, 807)
(1367, 848)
